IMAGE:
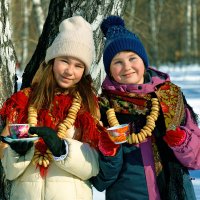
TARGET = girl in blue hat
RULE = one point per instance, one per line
(164, 138)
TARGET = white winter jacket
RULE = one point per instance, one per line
(65, 180)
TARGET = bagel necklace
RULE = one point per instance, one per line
(146, 131)
(44, 159)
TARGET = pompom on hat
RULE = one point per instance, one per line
(75, 38)
(118, 39)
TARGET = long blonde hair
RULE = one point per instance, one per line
(44, 87)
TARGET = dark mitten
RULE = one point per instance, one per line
(175, 137)
(19, 146)
(106, 145)
(53, 142)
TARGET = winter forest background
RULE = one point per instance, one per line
(168, 29)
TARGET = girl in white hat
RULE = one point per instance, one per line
(61, 108)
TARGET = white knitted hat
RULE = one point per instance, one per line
(75, 38)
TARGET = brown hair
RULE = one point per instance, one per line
(44, 87)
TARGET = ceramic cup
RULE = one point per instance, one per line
(119, 134)
(19, 130)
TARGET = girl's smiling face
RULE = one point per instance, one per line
(67, 71)
(127, 68)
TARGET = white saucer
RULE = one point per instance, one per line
(8, 139)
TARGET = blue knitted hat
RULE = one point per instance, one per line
(118, 38)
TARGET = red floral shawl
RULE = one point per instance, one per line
(15, 110)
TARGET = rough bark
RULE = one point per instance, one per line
(7, 56)
(7, 78)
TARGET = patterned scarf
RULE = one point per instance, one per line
(168, 94)
(172, 107)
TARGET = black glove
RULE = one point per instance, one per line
(53, 142)
(20, 146)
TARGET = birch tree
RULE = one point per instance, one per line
(7, 76)
(61, 9)
(154, 31)
(38, 14)
(25, 34)
(156, 9)
(36, 7)
(131, 12)
(188, 30)
(194, 30)
(7, 55)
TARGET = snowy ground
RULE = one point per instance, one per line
(188, 78)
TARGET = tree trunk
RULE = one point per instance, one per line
(188, 30)
(159, 12)
(7, 56)
(130, 13)
(39, 15)
(62, 9)
(25, 35)
(194, 31)
(7, 77)
(154, 31)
